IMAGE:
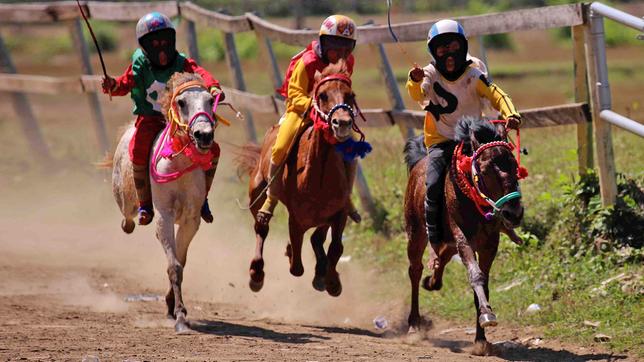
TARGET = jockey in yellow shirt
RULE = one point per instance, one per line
(453, 85)
(337, 38)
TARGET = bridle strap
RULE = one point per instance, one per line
(496, 205)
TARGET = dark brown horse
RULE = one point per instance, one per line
(467, 230)
(314, 185)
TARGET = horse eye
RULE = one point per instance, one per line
(350, 98)
(324, 97)
(181, 103)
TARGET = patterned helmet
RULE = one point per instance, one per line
(152, 22)
(443, 28)
(339, 26)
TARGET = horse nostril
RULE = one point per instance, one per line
(197, 134)
(335, 122)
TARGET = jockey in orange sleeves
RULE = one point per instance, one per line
(453, 85)
(152, 66)
(337, 39)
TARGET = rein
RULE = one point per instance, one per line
(170, 140)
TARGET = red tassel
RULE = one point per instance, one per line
(465, 164)
(522, 172)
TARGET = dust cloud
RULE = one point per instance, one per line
(69, 223)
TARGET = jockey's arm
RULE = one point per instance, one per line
(123, 84)
(497, 97)
(191, 66)
(298, 96)
(415, 89)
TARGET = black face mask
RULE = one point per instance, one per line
(328, 42)
(459, 56)
(154, 54)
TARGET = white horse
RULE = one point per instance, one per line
(178, 182)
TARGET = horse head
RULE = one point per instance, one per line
(494, 168)
(188, 103)
(334, 100)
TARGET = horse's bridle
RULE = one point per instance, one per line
(480, 186)
(173, 114)
(329, 116)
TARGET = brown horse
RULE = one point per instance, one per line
(467, 229)
(314, 185)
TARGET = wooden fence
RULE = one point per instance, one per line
(573, 15)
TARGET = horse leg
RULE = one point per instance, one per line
(165, 235)
(296, 236)
(485, 316)
(332, 278)
(481, 345)
(185, 234)
(444, 254)
(415, 250)
(317, 241)
(256, 281)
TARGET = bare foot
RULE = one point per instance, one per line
(263, 218)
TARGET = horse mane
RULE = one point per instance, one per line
(176, 80)
(340, 67)
(414, 151)
(479, 129)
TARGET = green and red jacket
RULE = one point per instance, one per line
(146, 84)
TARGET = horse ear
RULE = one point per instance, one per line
(317, 76)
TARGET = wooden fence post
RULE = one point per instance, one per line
(191, 38)
(391, 86)
(602, 131)
(95, 107)
(23, 110)
(585, 129)
(232, 58)
(266, 47)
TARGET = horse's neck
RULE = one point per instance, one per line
(178, 162)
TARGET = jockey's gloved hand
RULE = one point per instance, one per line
(214, 91)
(416, 74)
(108, 83)
(512, 122)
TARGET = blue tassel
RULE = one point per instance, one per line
(351, 149)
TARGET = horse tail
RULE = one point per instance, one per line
(106, 163)
(247, 158)
(414, 151)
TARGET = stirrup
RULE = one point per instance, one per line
(146, 214)
(206, 215)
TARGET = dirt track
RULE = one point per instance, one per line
(67, 270)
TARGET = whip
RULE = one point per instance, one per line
(98, 49)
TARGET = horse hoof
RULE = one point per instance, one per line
(127, 226)
(297, 270)
(428, 285)
(334, 289)
(487, 320)
(483, 348)
(181, 328)
(256, 286)
(319, 284)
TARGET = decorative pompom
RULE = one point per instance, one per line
(522, 172)
(351, 149)
(465, 164)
